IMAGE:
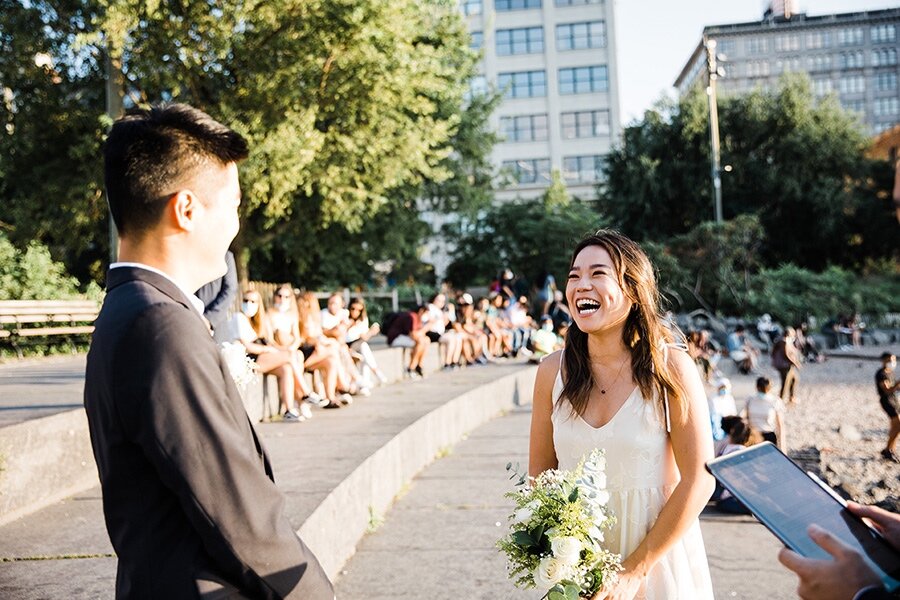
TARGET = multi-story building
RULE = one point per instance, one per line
(852, 55)
(555, 61)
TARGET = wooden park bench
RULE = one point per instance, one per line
(22, 321)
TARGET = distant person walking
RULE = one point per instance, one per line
(887, 395)
(786, 361)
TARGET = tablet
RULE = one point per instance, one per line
(787, 501)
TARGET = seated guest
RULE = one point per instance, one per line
(499, 336)
(740, 436)
(472, 330)
(335, 318)
(439, 328)
(741, 350)
(359, 332)
(218, 298)
(544, 341)
(285, 335)
(404, 330)
(520, 323)
(322, 353)
(253, 331)
(721, 404)
(765, 413)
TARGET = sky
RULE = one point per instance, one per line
(655, 38)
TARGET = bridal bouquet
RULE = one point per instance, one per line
(241, 366)
(556, 530)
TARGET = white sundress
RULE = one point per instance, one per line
(641, 474)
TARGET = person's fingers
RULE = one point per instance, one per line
(875, 513)
(793, 561)
(827, 542)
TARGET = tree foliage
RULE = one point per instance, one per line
(350, 107)
(798, 164)
(530, 237)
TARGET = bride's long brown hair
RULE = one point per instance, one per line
(646, 334)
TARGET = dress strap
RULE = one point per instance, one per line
(665, 349)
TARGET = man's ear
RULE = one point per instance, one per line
(182, 209)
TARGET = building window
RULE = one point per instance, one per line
(477, 87)
(523, 84)
(575, 36)
(884, 57)
(726, 47)
(758, 68)
(757, 45)
(787, 43)
(852, 85)
(787, 65)
(883, 33)
(885, 82)
(476, 39)
(583, 169)
(818, 62)
(853, 60)
(505, 5)
(818, 39)
(585, 124)
(525, 171)
(857, 106)
(524, 128)
(520, 41)
(583, 80)
(884, 107)
(850, 36)
(822, 87)
(577, 2)
(472, 7)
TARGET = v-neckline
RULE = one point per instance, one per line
(601, 427)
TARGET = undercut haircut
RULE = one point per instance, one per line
(150, 152)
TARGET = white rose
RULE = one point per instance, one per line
(523, 515)
(566, 549)
(595, 533)
(549, 572)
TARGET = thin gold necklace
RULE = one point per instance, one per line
(618, 373)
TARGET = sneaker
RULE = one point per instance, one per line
(889, 455)
(363, 391)
(420, 372)
(292, 416)
(410, 374)
(345, 399)
(316, 400)
(305, 410)
(331, 405)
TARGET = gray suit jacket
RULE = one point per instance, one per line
(188, 494)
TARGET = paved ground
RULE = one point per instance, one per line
(39, 388)
(438, 540)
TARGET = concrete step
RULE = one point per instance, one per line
(45, 450)
(340, 473)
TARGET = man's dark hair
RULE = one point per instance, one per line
(887, 356)
(150, 151)
(763, 384)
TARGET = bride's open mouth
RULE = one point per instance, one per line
(586, 307)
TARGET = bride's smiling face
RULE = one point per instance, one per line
(596, 299)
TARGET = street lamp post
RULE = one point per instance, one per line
(714, 72)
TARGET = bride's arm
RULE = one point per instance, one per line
(542, 454)
(692, 445)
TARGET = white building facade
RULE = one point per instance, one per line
(556, 62)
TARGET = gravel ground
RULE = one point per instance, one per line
(838, 427)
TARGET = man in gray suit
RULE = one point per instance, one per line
(190, 503)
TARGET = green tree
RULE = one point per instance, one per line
(530, 237)
(797, 163)
(344, 103)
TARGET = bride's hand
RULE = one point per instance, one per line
(625, 588)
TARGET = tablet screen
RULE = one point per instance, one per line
(787, 501)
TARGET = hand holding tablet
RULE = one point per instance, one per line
(826, 538)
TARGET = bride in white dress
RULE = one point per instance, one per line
(622, 385)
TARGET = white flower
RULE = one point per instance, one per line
(595, 533)
(523, 515)
(602, 497)
(549, 572)
(566, 549)
(241, 366)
